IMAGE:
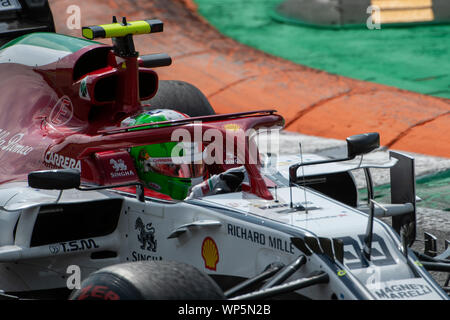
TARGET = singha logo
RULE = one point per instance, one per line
(118, 165)
(121, 169)
(146, 235)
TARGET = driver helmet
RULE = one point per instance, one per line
(171, 168)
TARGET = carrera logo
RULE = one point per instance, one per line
(59, 161)
(210, 253)
(120, 168)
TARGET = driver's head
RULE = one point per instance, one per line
(167, 167)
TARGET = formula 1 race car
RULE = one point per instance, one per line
(256, 225)
(21, 17)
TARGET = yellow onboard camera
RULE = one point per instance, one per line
(118, 30)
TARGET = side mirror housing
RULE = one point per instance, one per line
(362, 143)
(61, 179)
(356, 145)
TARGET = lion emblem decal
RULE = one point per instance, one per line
(146, 235)
(118, 165)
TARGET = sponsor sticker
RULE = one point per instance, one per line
(284, 245)
(232, 127)
(380, 256)
(153, 185)
(54, 248)
(56, 160)
(62, 112)
(72, 246)
(210, 253)
(341, 273)
(97, 292)
(146, 237)
(120, 168)
(402, 290)
(83, 92)
(11, 143)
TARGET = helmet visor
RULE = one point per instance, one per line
(167, 167)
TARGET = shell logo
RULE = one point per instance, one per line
(210, 253)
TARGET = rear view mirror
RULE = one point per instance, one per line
(362, 143)
(356, 145)
(61, 179)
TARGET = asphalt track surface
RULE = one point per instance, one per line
(236, 77)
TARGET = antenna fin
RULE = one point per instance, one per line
(304, 179)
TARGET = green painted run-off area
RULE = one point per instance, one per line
(412, 58)
(432, 189)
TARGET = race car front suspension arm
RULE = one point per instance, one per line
(317, 278)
